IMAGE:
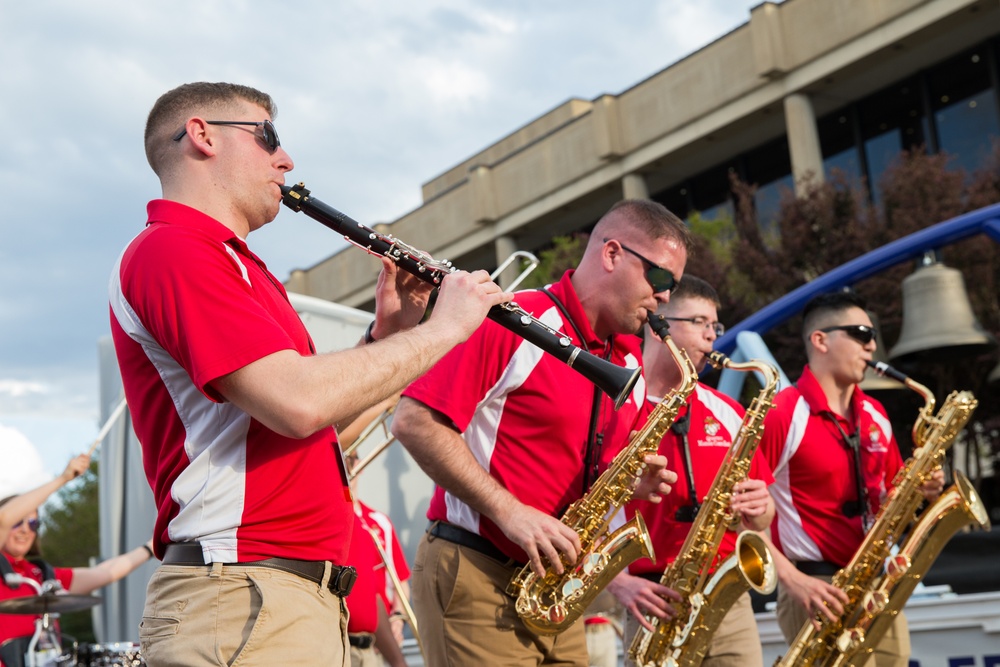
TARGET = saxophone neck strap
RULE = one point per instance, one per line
(859, 506)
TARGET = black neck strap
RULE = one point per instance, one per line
(858, 507)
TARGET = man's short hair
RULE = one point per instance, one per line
(651, 219)
(693, 287)
(817, 313)
(176, 106)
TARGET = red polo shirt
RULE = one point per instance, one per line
(524, 414)
(814, 470)
(189, 304)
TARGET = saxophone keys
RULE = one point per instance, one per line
(592, 563)
(897, 566)
(850, 639)
(572, 586)
(557, 613)
(875, 602)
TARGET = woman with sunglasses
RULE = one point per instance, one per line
(21, 555)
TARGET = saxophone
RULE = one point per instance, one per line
(550, 604)
(684, 639)
(877, 581)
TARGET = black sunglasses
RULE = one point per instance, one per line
(862, 333)
(32, 524)
(268, 134)
(659, 278)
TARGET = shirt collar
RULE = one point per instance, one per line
(565, 292)
(174, 213)
(811, 390)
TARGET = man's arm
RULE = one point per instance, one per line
(297, 395)
(644, 598)
(442, 453)
(814, 595)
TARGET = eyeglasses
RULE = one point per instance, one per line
(659, 278)
(718, 327)
(862, 333)
(32, 524)
(268, 134)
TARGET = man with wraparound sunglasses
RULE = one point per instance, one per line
(512, 436)
(834, 457)
(233, 406)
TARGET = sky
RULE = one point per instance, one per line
(374, 98)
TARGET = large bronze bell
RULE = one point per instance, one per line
(938, 322)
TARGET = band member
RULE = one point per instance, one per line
(834, 457)
(21, 555)
(696, 447)
(512, 436)
(232, 405)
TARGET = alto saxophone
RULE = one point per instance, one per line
(878, 582)
(550, 604)
(707, 598)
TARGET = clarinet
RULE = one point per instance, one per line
(615, 381)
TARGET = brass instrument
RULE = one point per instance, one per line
(382, 419)
(550, 604)
(877, 581)
(616, 381)
(707, 598)
(397, 586)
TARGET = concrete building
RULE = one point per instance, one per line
(804, 86)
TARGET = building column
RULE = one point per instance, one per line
(634, 186)
(505, 246)
(803, 141)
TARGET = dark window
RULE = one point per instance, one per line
(770, 169)
(890, 121)
(964, 107)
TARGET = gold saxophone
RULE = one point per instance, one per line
(877, 582)
(707, 598)
(550, 604)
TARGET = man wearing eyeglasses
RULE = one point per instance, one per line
(834, 457)
(234, 408)
(695, 446)
(512, 436)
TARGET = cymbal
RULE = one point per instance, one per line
(48, 604)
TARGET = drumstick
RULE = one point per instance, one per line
(107, 426)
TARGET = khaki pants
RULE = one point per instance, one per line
(602, 644)
(892, 651)
(466, 617)
(365, 657)
(735, 644)
(241, 617)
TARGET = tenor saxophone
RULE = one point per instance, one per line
(707, 597)
(551, 603)
(878, 581)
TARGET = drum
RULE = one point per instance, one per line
(117, 654)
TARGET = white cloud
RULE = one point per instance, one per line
(20, 388)
(375, 98)
(22, 467)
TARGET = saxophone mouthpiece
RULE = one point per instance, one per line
(885, 370)
(658, 323)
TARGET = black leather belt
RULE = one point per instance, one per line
(342, 577)
(464, 538)
(361, 641)
(817, 568)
